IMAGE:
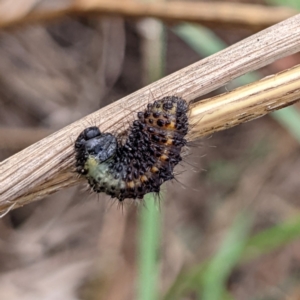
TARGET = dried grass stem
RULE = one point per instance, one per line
(215, 14)
(45, 166)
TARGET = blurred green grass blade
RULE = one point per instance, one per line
(272, 238)
(200, 39)
(153, 47)
(209, 278)
(149, 243)
(221, 265)
(205, 42)
(290, 3)
(289, 118)
(186, 281)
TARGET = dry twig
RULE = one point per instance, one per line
(44, 167)
(245, 103)
(215, 14)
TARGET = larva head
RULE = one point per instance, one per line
(101, 147)
(92, 144)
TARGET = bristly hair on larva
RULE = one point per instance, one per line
(144, 161)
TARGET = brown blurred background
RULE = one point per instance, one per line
(74, 245)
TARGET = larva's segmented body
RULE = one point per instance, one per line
(145, 160)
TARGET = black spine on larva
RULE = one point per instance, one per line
(148, 156)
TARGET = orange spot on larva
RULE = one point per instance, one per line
(130, 184)
(169, 142)
(144, 178)
(164, 157)
(171, 125)
(154, 170)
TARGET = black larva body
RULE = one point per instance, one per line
(146, 159)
